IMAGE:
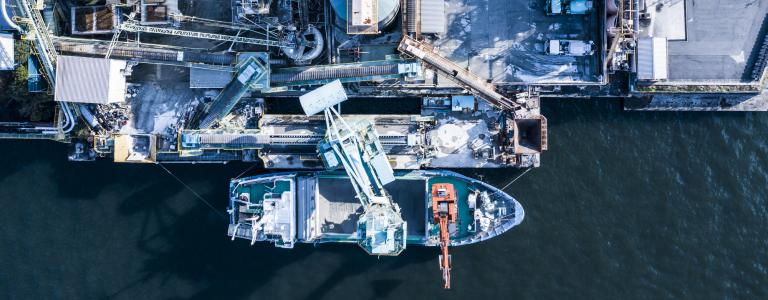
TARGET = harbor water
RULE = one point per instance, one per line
(626, 205)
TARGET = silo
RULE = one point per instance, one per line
(387, 11)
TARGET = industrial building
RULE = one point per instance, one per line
(216, 83)
(90, 80)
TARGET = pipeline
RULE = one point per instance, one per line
(48, 62)
(7, 19)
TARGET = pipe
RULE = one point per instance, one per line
(6, 18)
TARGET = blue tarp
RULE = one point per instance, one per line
(580, 7)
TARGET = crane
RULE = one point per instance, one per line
(444, 212)
(356, 148)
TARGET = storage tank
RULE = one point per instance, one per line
(387, 11)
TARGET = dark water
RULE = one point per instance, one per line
(626, 205)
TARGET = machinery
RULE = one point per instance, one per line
(445, 213)
(569, 47)
(252, 75)
(568, 7)
(356, 148)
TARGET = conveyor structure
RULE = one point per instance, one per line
(146, 53)
(479, 86)
(353, 72)
(252, 74)
(398, 133)
(134, 27)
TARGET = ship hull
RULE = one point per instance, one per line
(321, 207)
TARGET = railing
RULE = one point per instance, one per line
(133, 27)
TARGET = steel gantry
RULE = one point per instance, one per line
(134, 27)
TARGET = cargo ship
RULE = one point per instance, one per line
(322, 207)
(361, 199)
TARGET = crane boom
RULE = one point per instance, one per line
(445, 214)
(356, 148)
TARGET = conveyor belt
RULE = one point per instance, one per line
(146, 53)
(332, 72)
(295, 139)
(463, 77)
(207, 156)
(237, 141)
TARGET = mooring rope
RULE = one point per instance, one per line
(246, 170)
(193, 191)
(513, 180)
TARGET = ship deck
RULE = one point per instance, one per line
(338, 208)
(465, 218)
(256, 192)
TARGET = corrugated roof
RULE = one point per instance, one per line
(652, 59)
(432, 16)
(89, 80)
(7, 60)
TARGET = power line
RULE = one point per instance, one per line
(193, 191)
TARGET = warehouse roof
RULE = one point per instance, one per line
(652, 59)
(432, 16)
(89, 80)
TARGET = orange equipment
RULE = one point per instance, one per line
(444, 211)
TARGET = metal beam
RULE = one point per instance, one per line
(133, 27)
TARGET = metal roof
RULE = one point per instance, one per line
(7, 60)
(432, 16)
(323, 97)
(652, 59)
(89, 80)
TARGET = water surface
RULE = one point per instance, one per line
(626, 205)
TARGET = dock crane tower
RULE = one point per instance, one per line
(356, 148)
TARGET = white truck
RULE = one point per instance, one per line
(569, 47)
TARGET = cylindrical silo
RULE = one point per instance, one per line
(387, 11)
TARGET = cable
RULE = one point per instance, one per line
(193, 191)
(246, 170)
(516, 178)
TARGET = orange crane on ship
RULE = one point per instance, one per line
(444, 212)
